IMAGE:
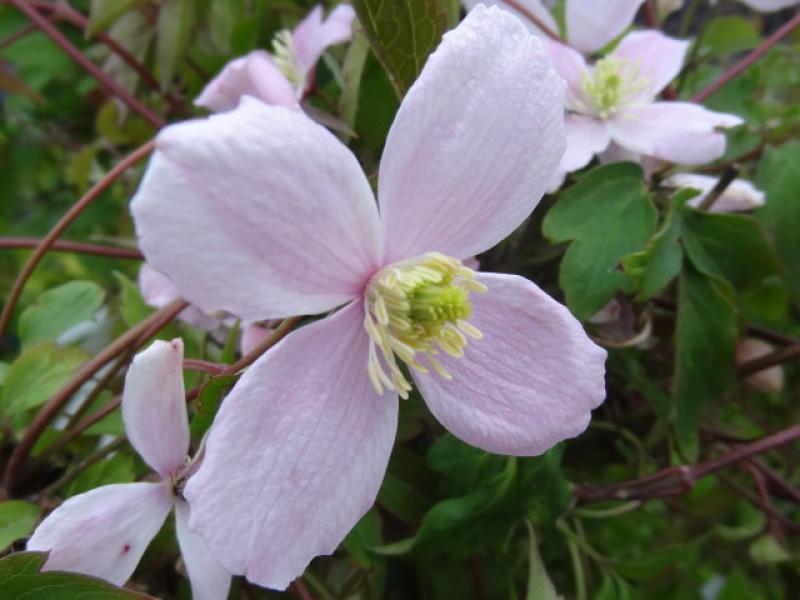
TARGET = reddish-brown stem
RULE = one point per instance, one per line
(49, 411)
(756, 501)
(748, 60)
(204, 366)
(75, 54)
(63, 223)
(650, 13)
(300, 589)
(16, 36)
(675, 481)
(535, 20)
(778, 357)
(17, 243)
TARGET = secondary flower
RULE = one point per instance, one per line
(589, 26)
(740, 195)
(770, 380)
(105, 531)
(769, 5)
(269, 215)
(283, 76)
(612, 108)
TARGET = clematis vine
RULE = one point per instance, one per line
(740, 195)
(283, 76)
(589, 27)
(104, 532)
(612, 108)
(261, 212)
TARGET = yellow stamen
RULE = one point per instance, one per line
(614, 83)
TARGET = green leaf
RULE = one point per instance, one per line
(20, 578)
(779, 177)
(402, 499)
(174, 26)
(730, 246)
(208, 403)
(58, 310)
(104, 13)
(403, 34)
(133, 308)
(36, 375)
(539, 585)
(17, 520)
(365, 535)
(607, 215)
(120, 468)
(705, 342)
(352, 71)
(729, 34)
(659, 263)
(766, 550)
(4, 367)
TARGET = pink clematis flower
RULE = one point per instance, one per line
(105, 531)
(769, 5)
(282, 77)
(612, 107)
(289, 225)
(740, 195)
(589, 25)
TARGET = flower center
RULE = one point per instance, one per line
(283, 56)
(613, 83)
(413, 310)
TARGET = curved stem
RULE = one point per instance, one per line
(16, 243)
(63, 223)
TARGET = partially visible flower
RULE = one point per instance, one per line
(768, 380)
(769, 5)
(590, 24)
(667, 7)
(105, 531)
(299, 448)
(613, 103)
(740, 195)
(283, 76)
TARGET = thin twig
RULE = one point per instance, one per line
(761, 363)
(516, 5)
(87, 462)
(748, 60)
(204, 366)
(18, 243)
(75, 54)
(64, 222)
(16, 36)
(719, 188)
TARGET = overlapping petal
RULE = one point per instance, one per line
(252, 75)
(313, 35)
(154, 407)
(769, 5)
(532, 380)
(296, 454)
(592, 25)
(209, 580)
(658, 59)
(533, 7)
(258, 211)
(585, 138)
(105, 531)
(679, 132)
(571, 66)
(475, 141)
(740, 195)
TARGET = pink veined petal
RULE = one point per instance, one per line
(740, 195)
(657, 57)
(313, 35)
(258, 211)
(679, 132)
(535, 7)
(251, 75)
(296, 454)
(586, 137)
(590, 25)
(158, 290)
(531, 382)
(154, 407)
(769, 5)
(570, 65)
(474, 143)
(105, 531)
(210, 581)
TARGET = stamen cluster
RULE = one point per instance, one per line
(614, 83)
(283, 56)
(413, 309)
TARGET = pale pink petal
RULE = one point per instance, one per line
(531, 382)
(571, 66)
(258, 211)
(656, 57)
(475, 141)
(296, 454)
(105, 531)
(154, 407)
(769, 381)
(158, 290)
(252, 336)
(210, 581)
(534, 7)
(251, 75)
(586, 137)
(591, 25)
(313, 35)
(769, 5)
(740, 195)
(680, 132)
